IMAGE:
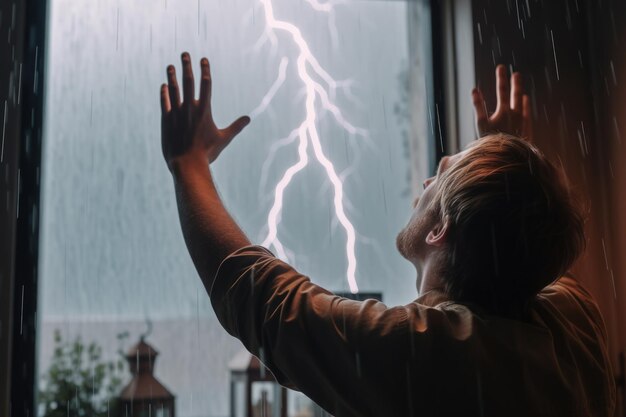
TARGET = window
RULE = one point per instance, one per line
(113, 265)
(265, 399)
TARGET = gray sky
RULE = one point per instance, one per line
(111, 242)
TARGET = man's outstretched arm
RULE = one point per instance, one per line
(353, 358)
(191, 141)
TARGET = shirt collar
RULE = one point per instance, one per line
(432, 298)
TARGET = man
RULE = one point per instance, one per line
(495, 332)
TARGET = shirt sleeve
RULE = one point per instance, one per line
(566, 305)
(339, 352)
(572, 300)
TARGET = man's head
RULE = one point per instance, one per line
(496, 223)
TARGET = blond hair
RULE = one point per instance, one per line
(513, 226)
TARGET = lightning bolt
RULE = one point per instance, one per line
(282, 75)
(328, 7)
(319, 87)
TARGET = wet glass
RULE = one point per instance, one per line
(265, 399)
(299, 405)
(114, 266)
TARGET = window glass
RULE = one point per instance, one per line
(299, 405)
(114, 267)
(162, 412)
(239, 400)
(265, 399)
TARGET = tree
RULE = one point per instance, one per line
(402, 110)
(79, 382)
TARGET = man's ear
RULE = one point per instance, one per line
(438, 235)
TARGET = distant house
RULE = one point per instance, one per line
(144, 395)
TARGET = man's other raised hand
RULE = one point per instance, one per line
(513, 111)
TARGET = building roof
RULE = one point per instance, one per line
(142, 349)
(145, 387)
(244, 361)
(240, 361)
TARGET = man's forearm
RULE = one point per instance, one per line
(210, 232)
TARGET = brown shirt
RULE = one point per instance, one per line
(431, 357)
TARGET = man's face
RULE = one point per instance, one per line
(411, 241)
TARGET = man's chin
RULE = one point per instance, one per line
(399, 244)
(403, 245)
(406, 243)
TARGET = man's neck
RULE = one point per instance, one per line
(431, 274)
(431, 288)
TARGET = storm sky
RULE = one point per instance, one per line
(111, 242)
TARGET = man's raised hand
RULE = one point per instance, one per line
(513, 113)
(188, 131)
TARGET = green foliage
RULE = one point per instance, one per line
(402, 110)
(78, 382)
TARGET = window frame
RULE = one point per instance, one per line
(22, 166)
